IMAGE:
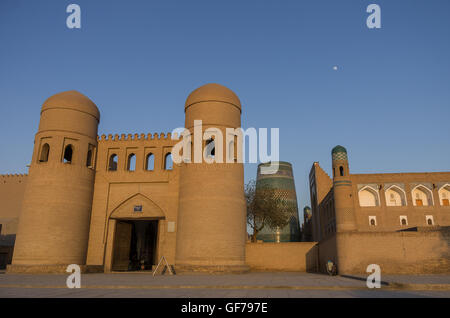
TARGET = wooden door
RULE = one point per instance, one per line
(445, 202)
(122, 243)
(419, 202)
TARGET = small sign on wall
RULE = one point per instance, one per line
(170, 227)
(138, 208)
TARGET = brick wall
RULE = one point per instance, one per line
(288, 256)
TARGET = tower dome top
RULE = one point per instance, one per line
(339, 153)
(71, 100)
(338, 148)
(213, 92)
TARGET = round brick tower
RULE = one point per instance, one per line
(342, 190)
(283, 183)
(54, 222)
(211, 231)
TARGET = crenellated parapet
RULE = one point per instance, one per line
(13, 178)
(134, 152)
(135, 137)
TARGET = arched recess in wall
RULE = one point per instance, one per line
(395, 196)
(368, 197)
(149, 208)
(112, 163)
(168, 163)
(341, 171)
(150, 162)
(131, 162)
(68, 154)
(422, 196)
(444, 195)
(90, 156)
(45, 151)
(231, 155)
(210, 148)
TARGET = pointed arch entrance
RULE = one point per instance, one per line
(133, 234)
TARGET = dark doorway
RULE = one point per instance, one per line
(135, 245)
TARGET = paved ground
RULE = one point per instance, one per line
(138, 285)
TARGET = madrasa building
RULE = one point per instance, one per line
(400, 221)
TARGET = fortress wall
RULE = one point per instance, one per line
(12, 189)
(422, 252)
(285, 256)
(326, 251)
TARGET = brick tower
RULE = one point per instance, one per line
(54, 223)
(211, 222)
(342, 187)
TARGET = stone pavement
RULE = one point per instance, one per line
(255, 284)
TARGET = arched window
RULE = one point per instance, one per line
(150, 162)
(45, 150)
(131, 165)
(89, 158)
(168, 163)
(422, 196)
(444, 195)
(368, 196)
(395, 196)
(231, 156)
(430, 222)
(210, 148)
(404, 222)
(68, 152)
(112, 164)
(341, 170)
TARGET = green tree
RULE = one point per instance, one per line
(266, 208)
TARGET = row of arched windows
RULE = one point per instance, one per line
(396, 196)
(131, 162)
(341, 171)
(429, 220)
(67, 154)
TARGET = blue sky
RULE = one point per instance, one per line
(388, 103)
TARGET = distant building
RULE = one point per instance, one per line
(307, 225)
(283, 183)
(359, 219)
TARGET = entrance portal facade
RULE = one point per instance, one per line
(135, 245)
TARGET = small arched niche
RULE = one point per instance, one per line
(112, 163)
(168, 163)
(444, 195)
(68, 154)
(150, 162)
(131, 163)
(90, 156)
(210, 148)
(368, 197)
(45, 151)
(395, 196)
(422, 196)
